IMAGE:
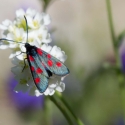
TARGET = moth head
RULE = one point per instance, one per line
(27, 45)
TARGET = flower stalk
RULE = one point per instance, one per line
(78, 121)
(121, 78)
(108, 2)
(62, 109)
(113, 37)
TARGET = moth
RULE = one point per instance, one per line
(42, 64)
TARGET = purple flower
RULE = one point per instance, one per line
(23, 100)
(122, 54)
(119, 121)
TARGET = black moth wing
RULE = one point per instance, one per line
(52, 63)
(38, 71)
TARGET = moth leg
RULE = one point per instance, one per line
(24, 64)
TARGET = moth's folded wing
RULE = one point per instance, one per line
(52, 63)
(38, 71)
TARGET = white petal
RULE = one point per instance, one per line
(20, 13)
(21, 87)
(47, 40)
(22, 47)
(6, 22)
(52, 86)
(54, 80)
(30, 12)
(16, 91)
(4, 46)
(3, 27)
(39, 40)
(19, 56)
(46, 92)
(13, 45)
(51, 91)
(31, 82)
(54, 51)
(38, 17)
(46, 48)
(15, 61)
(12, 55)
(60, 87)
(16, 70)
(30, 22)
(63, 58)
(37, 93)
(62, 78)
(32, 90)
(46, 19)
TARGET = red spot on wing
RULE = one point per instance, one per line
(39, 51)
(32, 68)
(50, 63)
(48, 56)
(37, 80)
(59, 64)
(31, 58)
(39, 71)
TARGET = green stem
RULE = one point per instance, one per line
(45, 6)
(114, 39)
(111, 26)
(78, 121)
(46, 119)
(47, 3)
(108, 2)
(121, 78)
(62, 109)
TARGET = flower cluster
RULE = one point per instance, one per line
(37, 35)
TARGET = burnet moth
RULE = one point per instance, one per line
(42, 65)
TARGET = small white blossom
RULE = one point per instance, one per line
(25, 79)
(16, 30)
(20, 13)
(5, 24)
(38, 36)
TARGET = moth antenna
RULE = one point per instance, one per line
(10, 40)
(26, 28)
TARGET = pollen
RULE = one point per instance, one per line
(37, 80)
(30, 39)
(50, 63)
(40, 37)
(18, 38)
(35, 23)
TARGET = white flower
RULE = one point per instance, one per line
(5, 24)
(37, 36)
(16, 30)
(25, 79)
(20, 13)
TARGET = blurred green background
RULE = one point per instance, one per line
(81, 29)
